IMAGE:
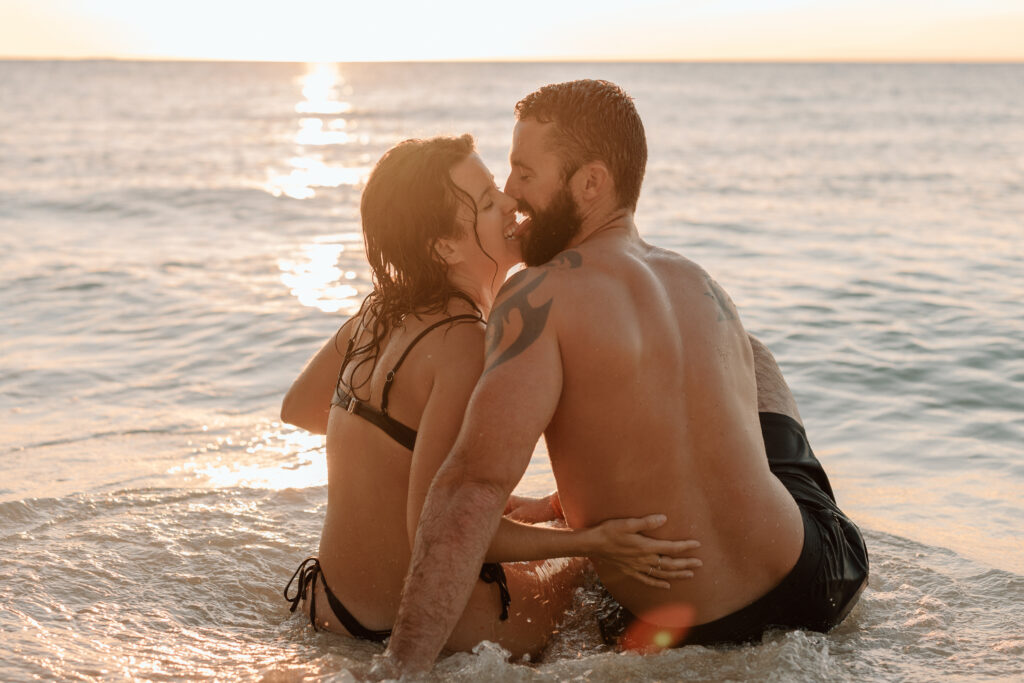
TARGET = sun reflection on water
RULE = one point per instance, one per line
(321, 87)
(315, 278)
(309, 172)
(274, 458)
(323, 127)
(312, 472)
(311, 132)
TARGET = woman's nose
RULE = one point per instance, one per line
(509, 202)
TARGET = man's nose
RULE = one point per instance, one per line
(510, 187)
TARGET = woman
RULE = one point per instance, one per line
(389, 390)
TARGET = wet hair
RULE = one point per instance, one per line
(409, 203)
(594, 121)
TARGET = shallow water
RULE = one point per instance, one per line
(176, 239)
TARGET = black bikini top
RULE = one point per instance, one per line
(396, 430)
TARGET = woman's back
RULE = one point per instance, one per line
(366, 540)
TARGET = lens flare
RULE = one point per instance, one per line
(658, 629)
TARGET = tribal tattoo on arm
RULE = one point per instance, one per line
(514, 297)
(567, 260)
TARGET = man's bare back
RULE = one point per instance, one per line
(679, 438)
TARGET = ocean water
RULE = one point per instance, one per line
(176, 239)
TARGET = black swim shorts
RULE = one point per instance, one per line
(829, 575)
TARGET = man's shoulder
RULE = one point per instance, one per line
(674, 269)
(545, 276)
(669, 258)
(525, 308)
(570, 259)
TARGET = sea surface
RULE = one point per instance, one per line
(176, 239)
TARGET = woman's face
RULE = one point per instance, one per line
(495, 216)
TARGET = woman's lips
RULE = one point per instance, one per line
(517, 227)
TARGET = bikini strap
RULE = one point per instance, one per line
(348, 351)
(391, 374)
(307, 574)
(492, 572)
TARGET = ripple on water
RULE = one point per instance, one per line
(188, 582)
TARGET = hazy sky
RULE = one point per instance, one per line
(350, 30)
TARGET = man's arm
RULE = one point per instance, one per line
(773, 394)
(509, 410)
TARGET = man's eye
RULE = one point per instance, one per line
(523, 176)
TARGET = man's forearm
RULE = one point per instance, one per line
(458, 521)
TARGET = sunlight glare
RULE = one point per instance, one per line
(314, 278)
(311, 132)
(320, 90)
(312, 472)
(310, 172)
(277, 457)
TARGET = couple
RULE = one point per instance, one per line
(656, 406)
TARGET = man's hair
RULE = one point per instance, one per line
(594, 121)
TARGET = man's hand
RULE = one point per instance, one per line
(384, 668)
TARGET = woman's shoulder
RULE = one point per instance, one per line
(455, 314)
(455, 325)
(454, 336)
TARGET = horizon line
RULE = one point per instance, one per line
(537, 60)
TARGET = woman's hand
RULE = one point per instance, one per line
(651, 561)
(534, 510)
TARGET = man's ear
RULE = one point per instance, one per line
(448, 250)
(593, 180)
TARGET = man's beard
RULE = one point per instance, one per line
(551, 229)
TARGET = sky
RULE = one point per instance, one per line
(373, 30)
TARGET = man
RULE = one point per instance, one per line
(635, 366)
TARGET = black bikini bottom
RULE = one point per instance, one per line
(309, 570)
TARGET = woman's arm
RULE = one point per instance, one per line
(308, 402)
(622, 541)
(458, 362)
